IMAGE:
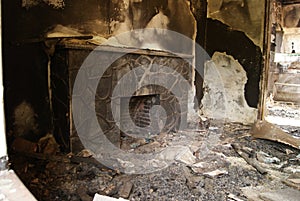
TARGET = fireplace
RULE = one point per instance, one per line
(139, 114)
(65, 65)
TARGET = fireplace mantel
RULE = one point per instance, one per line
(65, 65)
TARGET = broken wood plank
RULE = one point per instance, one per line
(268, 131)
(251, 161)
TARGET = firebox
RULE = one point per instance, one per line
(67, 61)
(139, 114)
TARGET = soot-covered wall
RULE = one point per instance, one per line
(25, 59)
(26, 22)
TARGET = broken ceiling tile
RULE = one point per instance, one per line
(252, 193)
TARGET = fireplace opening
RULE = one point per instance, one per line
(140, 114)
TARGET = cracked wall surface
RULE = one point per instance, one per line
(222, 38)
(224, 81)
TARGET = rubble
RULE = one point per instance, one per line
(234, 197)
(266, 158)
(82, 192)
(287, 194)
(293, 180)
(284, 114)
(249, 159)
(221, 175)
(48, 145)
(215, 173)
(86, 153)
(125, 189)
(98, 197)
(186, 157)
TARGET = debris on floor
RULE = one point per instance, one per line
(209, 164)
(287, 194)
(106, 198)
(293, 180)
(249, 158)
(268, 131)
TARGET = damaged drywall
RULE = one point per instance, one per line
(242, 15)
(222, 39)
(224, 81)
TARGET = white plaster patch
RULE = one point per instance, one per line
(224, 83)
